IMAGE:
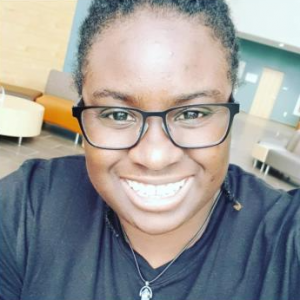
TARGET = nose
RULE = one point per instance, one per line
(155, 151)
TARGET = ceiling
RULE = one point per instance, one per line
(271, 22)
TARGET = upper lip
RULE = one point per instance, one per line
(156, 180)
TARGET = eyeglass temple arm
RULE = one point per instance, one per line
(80, 102)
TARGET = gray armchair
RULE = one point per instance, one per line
(284, 158)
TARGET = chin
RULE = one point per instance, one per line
(157, 224)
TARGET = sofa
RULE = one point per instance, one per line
(58, 99)
(21, 92)
(283, 157)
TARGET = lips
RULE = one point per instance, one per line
(156, 197)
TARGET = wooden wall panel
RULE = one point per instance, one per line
(34, 36)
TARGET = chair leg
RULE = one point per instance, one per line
(267, 170)
(77, 138)
(262, 167)
(254, 163)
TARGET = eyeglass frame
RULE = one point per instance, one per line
(231, 105)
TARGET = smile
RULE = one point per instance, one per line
(157, 197)
(156, 191)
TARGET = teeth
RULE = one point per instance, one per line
(150, 190)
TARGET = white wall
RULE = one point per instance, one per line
(268, 21)
(34, 37)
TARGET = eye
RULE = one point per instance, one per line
(192, 114)
(189, 115)
(117, 115)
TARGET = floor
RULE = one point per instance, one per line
(54, 142)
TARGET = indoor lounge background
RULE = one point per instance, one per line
(38, 36)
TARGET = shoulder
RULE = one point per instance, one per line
(261, 198)
(43, 203)
(272, 212)
(245, 185)
(42, 169)
(36, 174)
(48, 184)
(43, 196)
(277, 211)
(267, 228)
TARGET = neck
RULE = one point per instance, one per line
(160, 249)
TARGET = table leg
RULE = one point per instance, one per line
(20, 141)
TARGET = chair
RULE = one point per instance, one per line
(58, 100)
(283, 157)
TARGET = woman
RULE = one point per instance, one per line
(153, 211)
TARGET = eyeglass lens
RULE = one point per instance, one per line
(197, 126)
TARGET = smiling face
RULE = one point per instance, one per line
(154, 63)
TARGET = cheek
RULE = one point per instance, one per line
(213, 161)
(100, 164)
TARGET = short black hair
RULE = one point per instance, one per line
(214, 14)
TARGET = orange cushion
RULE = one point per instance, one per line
(58, 111)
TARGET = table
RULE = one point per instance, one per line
(20, 117)
(261, 150)
(260, 153)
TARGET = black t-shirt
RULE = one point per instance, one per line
(59, 241)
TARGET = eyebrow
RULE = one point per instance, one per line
(216, 94)
(115, 95)
(106, 93)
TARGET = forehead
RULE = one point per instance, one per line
(150, 54)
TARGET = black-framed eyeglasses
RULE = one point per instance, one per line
(191, 126)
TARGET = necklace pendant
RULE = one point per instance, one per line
(146, 292)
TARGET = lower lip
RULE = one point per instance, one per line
(157, 204)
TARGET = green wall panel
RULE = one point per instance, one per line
(257, 57)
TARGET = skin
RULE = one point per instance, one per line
(153, 60)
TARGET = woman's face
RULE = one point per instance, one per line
(153, 61)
